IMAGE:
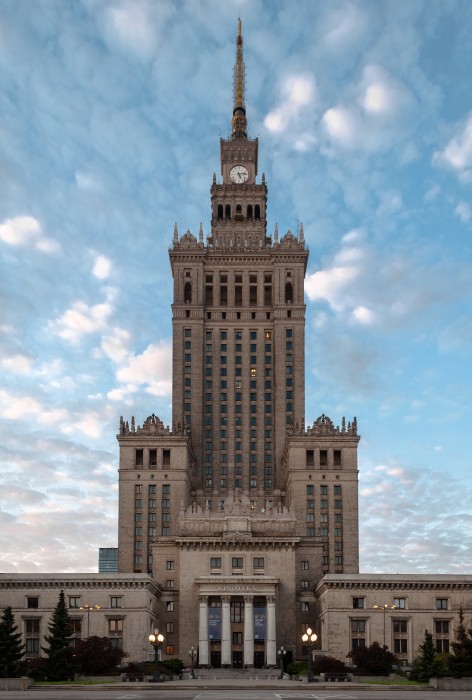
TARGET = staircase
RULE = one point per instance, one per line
(222, 674)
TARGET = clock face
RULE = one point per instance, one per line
(239, 174)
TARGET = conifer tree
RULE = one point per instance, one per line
(460, 662)
(11, 649)
(426, 666)
(59, 661)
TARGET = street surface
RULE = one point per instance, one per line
(152, 693)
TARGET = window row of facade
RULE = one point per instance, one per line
(32, 630)
(152, 458)
(399, 603)
(398, 635)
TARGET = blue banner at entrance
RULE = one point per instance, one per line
(260, 623)
(214, 623)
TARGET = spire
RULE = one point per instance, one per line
(239, 122)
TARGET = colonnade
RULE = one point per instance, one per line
(248, 635)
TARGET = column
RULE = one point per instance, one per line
(271, 651)
(203, 632)
(248, 656)
(226, 659)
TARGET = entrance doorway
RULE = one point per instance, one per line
(237, 659)
(258, 659)
(215, 659)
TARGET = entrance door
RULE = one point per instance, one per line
(215, 659)
(237, 659)
(258, 659)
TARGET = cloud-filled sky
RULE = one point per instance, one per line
(110, 117)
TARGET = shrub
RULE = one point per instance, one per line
(328, 664)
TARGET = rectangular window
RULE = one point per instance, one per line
(170, 606)
(170, 583)
(400, 603)
(258, 562)
(170, 565)
(166, 458)
(169, 627)
(215, 562)
(237, 562)
(358, 603)
(441, 603)
(304, 584)
(74, 601)
(310, 490)
(116, 601)
(310, 459)
(32, 602)
(442, 626)
(337, 458)
(323, 458)
(305, 565)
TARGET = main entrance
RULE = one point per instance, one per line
(237, 659)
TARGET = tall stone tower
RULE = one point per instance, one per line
(238, 510)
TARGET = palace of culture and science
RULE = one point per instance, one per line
(238, 525)
(239, 509)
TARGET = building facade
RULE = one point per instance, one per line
(238, 509)
(391, 609)
(119, 606)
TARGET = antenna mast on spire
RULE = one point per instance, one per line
(239, 121)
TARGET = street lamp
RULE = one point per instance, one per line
(89, 609)
(156, 639)
(309, 638)
(281, 652)
(192, 652)
(384, 607)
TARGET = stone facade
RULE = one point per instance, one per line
(390, 609)
(127, 608)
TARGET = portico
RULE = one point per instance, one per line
(237, 621)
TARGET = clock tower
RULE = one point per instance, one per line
(239, 203)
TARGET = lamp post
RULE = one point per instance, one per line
(156, 639)
(281, 652)
(384, 607)
(309, 638)
(192, 652)
(89, 609)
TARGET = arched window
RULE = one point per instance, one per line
(228, 211)
(187, 293)
(239, 209)
(220, 211)
(249, 211)
(288, 293)
(257, 212)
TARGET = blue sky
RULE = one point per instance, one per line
(110, 118)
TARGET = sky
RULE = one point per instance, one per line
(111, 113)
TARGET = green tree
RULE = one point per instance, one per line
(426, 665)
(59, 661)
(374, 660)
(11, 649)
(96, 655)
(460, 661)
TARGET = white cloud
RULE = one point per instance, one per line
(83, 319)
(374, 117)
(330, 285)
(364, 315)
(463, 211)
(457, 154)
(298, 93)
(20, 364)
(101, 267)
(26, 231)
(115, 345)
(153, 368)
